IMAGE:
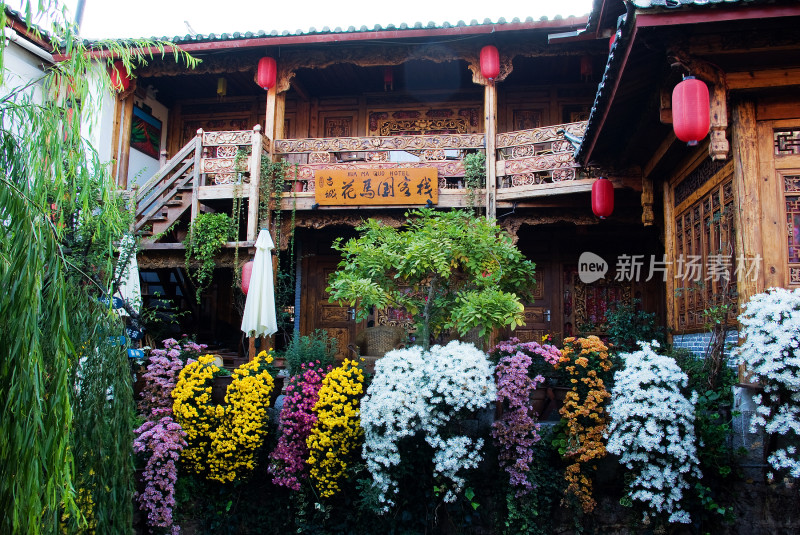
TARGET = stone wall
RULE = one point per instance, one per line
(698, 342)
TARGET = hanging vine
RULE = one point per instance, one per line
(62, 218)
(474, 177)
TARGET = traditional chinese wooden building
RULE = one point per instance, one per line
(727, 207)
(374, 122)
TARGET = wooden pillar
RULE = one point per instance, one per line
(125, 141)
(115, 136)
(669, 253)
(747, 200)
(275, 118)
(490, 122)
(747, 196)
(255, 185)
(774, 267)
(647, 201)
(198, 153)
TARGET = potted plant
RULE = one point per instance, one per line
(448, 270)
(315, 347)
(546, 398)
(219, 385)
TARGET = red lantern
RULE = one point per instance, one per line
(120, 79)
(490, 62)
(612, 40)
(247, 272)
(690, 110)
(586, 67)
(388, 78)
(68, 125)
(267, 73)
(602, 197)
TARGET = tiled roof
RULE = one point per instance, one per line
(614, 62)
(499, 24)
(604, 88)
(645, 4)
(16, 15)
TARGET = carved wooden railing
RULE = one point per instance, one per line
(223, 165)
(212, 165)
(444, 152)
(537, 156)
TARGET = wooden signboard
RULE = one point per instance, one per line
(377, 186)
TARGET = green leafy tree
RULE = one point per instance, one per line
(449, 270)
(67, 398)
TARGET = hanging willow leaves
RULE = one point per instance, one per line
(60, 219)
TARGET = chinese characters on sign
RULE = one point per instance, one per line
(377, 186)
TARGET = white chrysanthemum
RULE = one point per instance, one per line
(771, 327)
(420, 392)
(652, 430)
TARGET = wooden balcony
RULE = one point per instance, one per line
(218, 166)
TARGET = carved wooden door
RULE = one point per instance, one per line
(540, 313)
(317, 312)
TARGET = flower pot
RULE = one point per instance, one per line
(219, 387)
(555, 397)
(539, 401)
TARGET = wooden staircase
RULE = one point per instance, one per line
(163, 199)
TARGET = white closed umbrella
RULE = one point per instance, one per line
(259, 318)
(130, 289)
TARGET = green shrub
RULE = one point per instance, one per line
(316, 346)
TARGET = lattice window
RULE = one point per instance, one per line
(786, 141)
(705, 258)
(791, 191)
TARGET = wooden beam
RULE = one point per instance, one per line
(662, 149)
(721, 14)
(764, 78)
(546, 190)
(299, 89)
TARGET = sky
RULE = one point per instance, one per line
(159, 18)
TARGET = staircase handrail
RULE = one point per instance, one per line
(168, 167)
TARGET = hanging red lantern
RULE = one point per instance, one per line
(247, 273)
(490, 62)
(690, 110)
(612, 40)
(68, 124)
(267, 73)
(586, 67)
(602, 197)
(120, 79)
(388, 78)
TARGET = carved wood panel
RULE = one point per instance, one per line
(380, 143)
(317, 312)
